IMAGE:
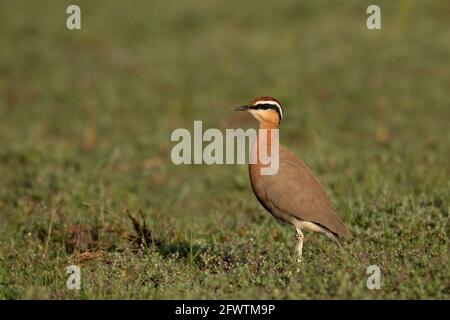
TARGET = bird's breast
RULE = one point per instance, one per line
(257, 183)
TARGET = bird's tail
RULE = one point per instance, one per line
(334, 237)
(346, 234)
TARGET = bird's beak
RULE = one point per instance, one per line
(242, 108)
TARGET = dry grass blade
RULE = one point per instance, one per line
(49, 233)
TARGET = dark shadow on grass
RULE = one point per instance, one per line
(182, 249)
(142, 238)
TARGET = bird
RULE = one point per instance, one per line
(292, 195)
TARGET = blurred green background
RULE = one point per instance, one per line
(85, 124)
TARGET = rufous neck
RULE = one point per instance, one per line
(264, 139)
(268, 125)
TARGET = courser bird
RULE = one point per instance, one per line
(293, 194)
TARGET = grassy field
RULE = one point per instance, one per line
(85, 124)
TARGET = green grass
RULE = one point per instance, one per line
(85, 124)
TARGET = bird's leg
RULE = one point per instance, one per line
(298, 244)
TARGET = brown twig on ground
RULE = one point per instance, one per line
(86, 256)
(143, 235)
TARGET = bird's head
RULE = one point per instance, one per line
(266, 110)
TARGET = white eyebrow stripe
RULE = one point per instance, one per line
(272, 103)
